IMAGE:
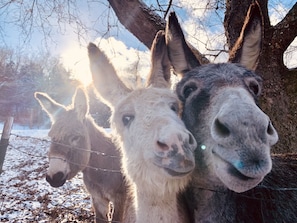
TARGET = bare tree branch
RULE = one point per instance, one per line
(168, 8)
(139, 19)
(286, 30)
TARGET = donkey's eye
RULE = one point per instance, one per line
(255, 88)
(188, 90)
(127, 119)
(253, 85)
(73, 140)
(174, 107)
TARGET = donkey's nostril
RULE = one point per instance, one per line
(221, 129)
(270, 129)
(192, 140)
(162, 145)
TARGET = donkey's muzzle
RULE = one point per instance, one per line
(176, 154)
(57, 180)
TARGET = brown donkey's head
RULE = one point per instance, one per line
(69, 152)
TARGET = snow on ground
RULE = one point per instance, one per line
(25, 196)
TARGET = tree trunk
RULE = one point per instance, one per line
(143, 22)
(279, 87)
(279, 98)
(234, 17)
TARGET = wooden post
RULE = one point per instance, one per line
(5, 139)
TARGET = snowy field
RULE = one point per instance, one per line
(26, 196)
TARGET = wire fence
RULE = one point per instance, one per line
(74, 149)
(26, 196)
(260, 196)
(115, 157)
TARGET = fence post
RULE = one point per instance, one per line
(4, 140)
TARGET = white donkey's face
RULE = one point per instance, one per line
(154, 142)
(152, 136)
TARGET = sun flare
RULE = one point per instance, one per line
(75, 59)
(127, 61)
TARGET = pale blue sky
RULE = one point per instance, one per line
(11, 36)
(204, 28)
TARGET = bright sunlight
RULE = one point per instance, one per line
(127, 61)
(75, 59)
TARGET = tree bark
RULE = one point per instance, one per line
(285, 31)
(139, 19)
(143, 22)
(279, 87)
(234, 17)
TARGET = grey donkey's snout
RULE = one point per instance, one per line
(248, 123)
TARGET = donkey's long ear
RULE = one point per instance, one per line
(80, 103)
(181, 56)
(50, 106)
(107, 83)
(247, 48)
(160, 72)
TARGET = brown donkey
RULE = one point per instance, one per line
(234, 135)
(78, 144)
(157, 150)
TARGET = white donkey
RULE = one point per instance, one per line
(157, 150)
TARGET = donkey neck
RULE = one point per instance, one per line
(104, 159)
(100, 141)
(158, 208)
(212, 206)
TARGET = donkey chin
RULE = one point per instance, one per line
(54, 176)
(177, 166)
(238, 177)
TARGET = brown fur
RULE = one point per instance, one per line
(87, 148)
